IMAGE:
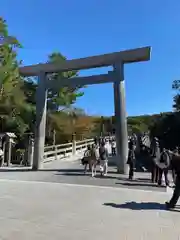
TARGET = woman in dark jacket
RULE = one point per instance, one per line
(155, 154)
(131, 159)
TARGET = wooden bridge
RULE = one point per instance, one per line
(71, 150)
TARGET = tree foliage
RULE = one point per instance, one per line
(66, 96)
(166, 127)
(12, 98)
(176, 98)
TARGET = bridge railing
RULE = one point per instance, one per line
(82, 145)
(56, 152)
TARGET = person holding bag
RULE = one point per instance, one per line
(86, 159)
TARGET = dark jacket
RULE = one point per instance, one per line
(175, 166)
(164, 158)
(155, 152)
(131, 156)
(103, 153)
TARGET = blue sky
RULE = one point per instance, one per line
(79, 28)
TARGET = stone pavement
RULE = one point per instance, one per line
(35, 210)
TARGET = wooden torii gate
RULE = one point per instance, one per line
(117, 60)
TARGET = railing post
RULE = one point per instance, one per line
(74, 144)
(55, 153)
(9, 151)
(3, 157)
(30, 152)
(86, 143)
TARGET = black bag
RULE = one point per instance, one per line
(85, 159)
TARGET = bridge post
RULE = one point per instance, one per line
(120, 119)
(55, 153)
(9, 151)
(30, 151)
(41, 105)
(74, 144)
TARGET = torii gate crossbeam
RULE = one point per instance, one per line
(117, 60)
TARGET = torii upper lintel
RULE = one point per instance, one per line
(128, 56)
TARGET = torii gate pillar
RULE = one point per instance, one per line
(40, 126)
(120, 119)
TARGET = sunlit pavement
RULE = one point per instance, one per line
(35, 210)
(60, 202)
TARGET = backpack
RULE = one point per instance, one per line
(85, 159)
(87, 153)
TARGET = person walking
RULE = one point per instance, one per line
(113, 147)
(155, 154)
(103, 155)
(86, 159)
(131, 159)
(163, 167)
(94, 159)
(175, 166)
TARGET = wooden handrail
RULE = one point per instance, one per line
(66, 149)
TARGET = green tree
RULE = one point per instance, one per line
(59, 99)
(176, 98)
(12, 97)
(10, 81)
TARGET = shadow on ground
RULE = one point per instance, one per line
(141, 183)
(112, 174)
(16, 170)
(121, 179)
(23, 169)
(140, 206)
(142, 179)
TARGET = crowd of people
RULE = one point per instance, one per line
(162, 161)
(97, 155)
